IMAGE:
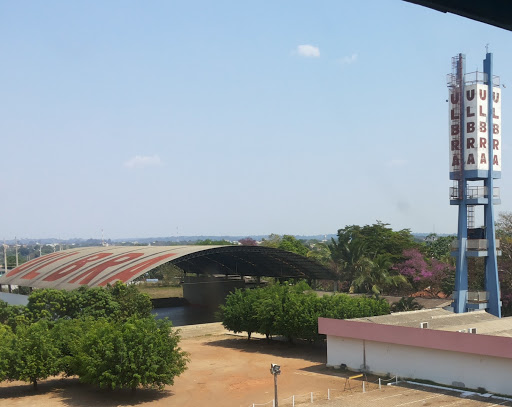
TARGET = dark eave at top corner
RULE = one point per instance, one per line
(494, 12)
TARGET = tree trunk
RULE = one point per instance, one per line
(249, 335)
(34, 382)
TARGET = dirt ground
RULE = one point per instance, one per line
(226, 370)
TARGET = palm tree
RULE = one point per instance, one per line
(374, 277)
(405, 304)
(350, 256)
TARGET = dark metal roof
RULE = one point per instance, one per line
(253, 261)
(493, 12)
(98, 266)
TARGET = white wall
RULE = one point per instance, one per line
(493, 374)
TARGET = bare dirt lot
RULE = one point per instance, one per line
(228, 370)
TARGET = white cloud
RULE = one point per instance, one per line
(348, 59)
(141, 161)
(308, 51)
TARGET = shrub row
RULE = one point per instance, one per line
(292, 310)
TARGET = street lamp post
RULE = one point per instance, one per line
(275, 370)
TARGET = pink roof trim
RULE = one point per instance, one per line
(497, 346)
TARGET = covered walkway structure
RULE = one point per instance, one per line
(99, 266)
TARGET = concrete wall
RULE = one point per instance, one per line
(210, 293)
(446, 367)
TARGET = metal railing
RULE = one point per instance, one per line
(476, 244)
(474, 192)
(363, 386)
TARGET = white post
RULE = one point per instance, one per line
(311, 397)
(363, 387)
(293, 401)
(396, 379)
(328, 394)
(274, 403)
(379, 383)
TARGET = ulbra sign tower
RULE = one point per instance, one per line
(475, 164)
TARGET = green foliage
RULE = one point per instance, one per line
(292, 310)
(21, 290)
(106, 336)
(140, 352)
(238, 315)
(286, 242)
(52, 304)
(167, 274)
(131, 301)
(379, 239)
(33, 355)
(375, 277)
(210, 242)
(6, 350)
(439, 247)
(67, 334)
(363, 257)
(320, 253)
(11, 315)
(504, 233)
(291, 244)
(95, 302)
(119, 301)
(406, 304)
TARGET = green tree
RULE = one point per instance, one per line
(6, 350)
(95, 302)
(34, 354)
(210, 242)
(293, 310)
(375, 276)
(273, 240)
(66, 335)
(269, 309)
(350, 256)
(140, 352)
(52, 304)
(439, 247)
(238, 314)
(406, 304)
(12, 315)
(320, 252)
(379, 238)
(131, 301)
(291, 244)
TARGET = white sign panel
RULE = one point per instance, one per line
(475, 124)
(454, 121)
(496, 129)
(477, 151)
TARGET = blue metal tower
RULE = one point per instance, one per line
(475, 161)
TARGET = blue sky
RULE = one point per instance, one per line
(214, 118)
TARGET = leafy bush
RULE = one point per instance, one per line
(107, 337)
(140, 352)
(292, 311)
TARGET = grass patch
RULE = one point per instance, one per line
(156, 291)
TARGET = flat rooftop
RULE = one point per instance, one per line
(442, 320)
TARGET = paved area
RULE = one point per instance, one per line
(228, 370)
(409, 395)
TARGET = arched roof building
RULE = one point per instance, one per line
(99, 266)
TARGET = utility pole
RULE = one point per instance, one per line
(275, 370)
(16, 247)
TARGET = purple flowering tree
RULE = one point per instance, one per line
(422, 273)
